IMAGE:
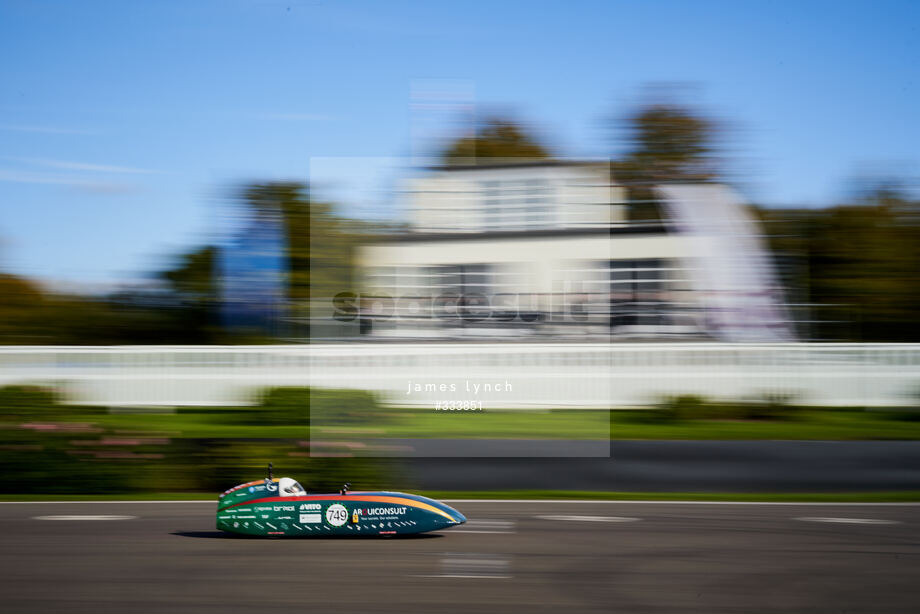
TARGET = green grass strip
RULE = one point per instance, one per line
(846, 497)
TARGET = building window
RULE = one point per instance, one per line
(516, 205)
(638, 292)
(460, 279)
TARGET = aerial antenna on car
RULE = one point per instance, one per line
(344, 490)
(270, 476)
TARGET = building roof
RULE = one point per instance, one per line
(414, 237)
(523, 163)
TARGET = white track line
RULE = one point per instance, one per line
(83, 517)
(457, 575)
(589, 518)
(541, 501)
(678, 502)
(846, 520)
(138, 501)
(489, 532)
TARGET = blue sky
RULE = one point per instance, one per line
(122, 124)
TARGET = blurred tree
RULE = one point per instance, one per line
(30, 316)
(319, 243)
(494, 138)
(193, 277)
(857, 264)
(666, 143)
(320, 246)
(20, 303)
(866, 257)
(191, 294)
(179, 305)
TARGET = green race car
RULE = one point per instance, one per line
(280, 507)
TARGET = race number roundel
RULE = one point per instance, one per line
(336, 515)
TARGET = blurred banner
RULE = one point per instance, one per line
(728, 263)
(253, 267)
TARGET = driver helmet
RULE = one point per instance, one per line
(289, 487)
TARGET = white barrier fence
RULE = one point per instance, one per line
(517, 375)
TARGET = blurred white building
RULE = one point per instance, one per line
(546, 195)
(548, 249)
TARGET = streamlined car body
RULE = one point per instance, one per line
(280, 507)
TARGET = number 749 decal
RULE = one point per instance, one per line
(336, 515)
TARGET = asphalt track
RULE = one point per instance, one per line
(511, 557)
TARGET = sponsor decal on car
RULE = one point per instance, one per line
(311, 518)
(384, 511)
(380, 513)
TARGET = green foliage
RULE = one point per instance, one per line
(290, 406)
(683, 407)
(20, 303)
(344, 407)
(859, 265)
(26, 403)
(666, 143)
(825, 424)
(691, 407)
(770, 406)
(50, 448)
(193, 277)
(495, 139)
(31, 316)
(277, 407)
